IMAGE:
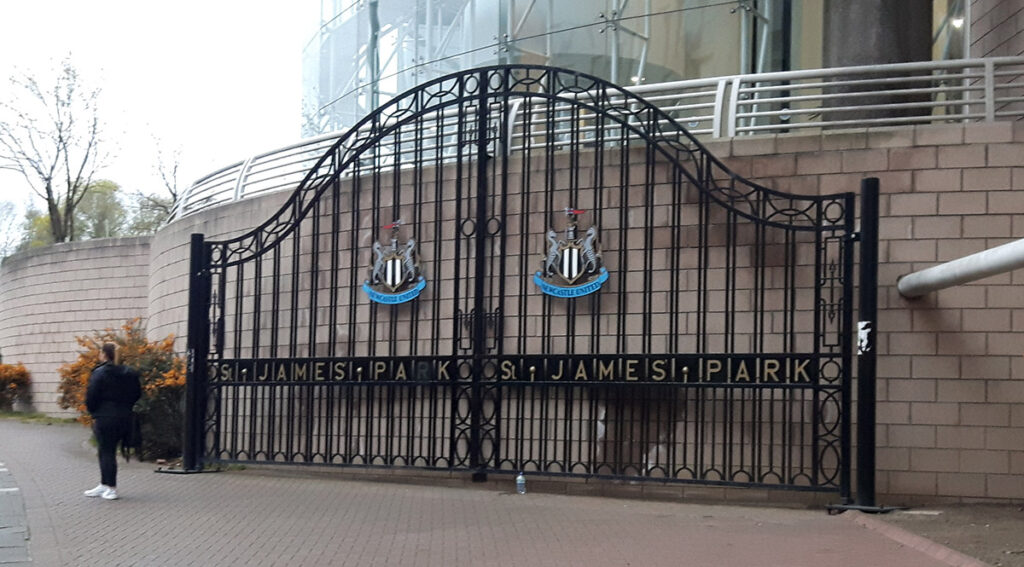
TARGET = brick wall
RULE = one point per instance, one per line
(950, 392)
(951, 371)
(51, 295)
(951, 374)
(997, 28)
(169, 259)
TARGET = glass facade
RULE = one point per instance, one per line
(367, 51)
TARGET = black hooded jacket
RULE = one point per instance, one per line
(112, 392)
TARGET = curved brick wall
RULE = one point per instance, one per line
(951, 374)
(51, 295)
(169, 258)
(950, 370)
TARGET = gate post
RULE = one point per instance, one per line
(479, 320)
(198, 346)
(866, 333)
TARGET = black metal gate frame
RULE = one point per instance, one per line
(587, 397)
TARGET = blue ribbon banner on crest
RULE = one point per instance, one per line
(394, 298)
(577, 291)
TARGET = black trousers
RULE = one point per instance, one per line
(109, 431)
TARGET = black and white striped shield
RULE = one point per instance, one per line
(571, 265)
(393, 274)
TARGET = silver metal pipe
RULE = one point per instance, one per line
(986, 263)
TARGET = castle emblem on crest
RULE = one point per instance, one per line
(395, 274)
(573, 266)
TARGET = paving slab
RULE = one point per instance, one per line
(258, 517)
(14, 534)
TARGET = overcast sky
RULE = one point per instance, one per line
(221, 79)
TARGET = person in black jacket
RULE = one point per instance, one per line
(112, 392)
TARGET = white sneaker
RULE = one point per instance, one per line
(98, 491)
(110, 494)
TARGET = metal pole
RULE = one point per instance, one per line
(866, 333)
(198, 346)
(615, 42)
(479, 316)
(998, 260)
(373, 55)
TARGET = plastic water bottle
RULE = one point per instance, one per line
(520, 483)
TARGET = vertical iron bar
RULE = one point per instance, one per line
(198, 347)
(866, 355)
(479, 275)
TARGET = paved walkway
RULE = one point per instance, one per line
(253, 518)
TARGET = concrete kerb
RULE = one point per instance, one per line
(935, 550)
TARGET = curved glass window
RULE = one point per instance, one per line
(367, 51)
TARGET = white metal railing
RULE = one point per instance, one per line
(965, 90)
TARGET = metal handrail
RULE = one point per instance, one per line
(924, 92)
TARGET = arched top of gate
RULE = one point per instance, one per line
(643, 120)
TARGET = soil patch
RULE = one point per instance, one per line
(993, 533)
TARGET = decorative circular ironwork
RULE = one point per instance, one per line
(741, 476)
(656, 471)
(834, 212)
(801, 479)
(547, 410)
(488, 412)
(712, 473)
(829, 461)
(463, 407)
(461, 443)
(493, 226)
(488, 446)
(830, 371)
(470, 83)
(620, 107)
(831, 411)
(684, 473)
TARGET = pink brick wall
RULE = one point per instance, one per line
(951, 371)
(997, 28)
(51, 295)
(951, 374)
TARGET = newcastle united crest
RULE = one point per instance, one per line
(572, 267)
(395, 275)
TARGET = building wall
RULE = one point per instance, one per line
(51, 295)
(169, 259)
(997, 28)
(950, 366)
(951, 374)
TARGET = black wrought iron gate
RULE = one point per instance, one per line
(526, 268)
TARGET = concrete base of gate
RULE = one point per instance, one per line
(502, 482)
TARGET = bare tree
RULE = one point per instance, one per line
(152, 210)
(51, 136)
(9, 233)
(167, 168)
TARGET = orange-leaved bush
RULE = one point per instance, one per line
(163, 384)
(15, 385)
